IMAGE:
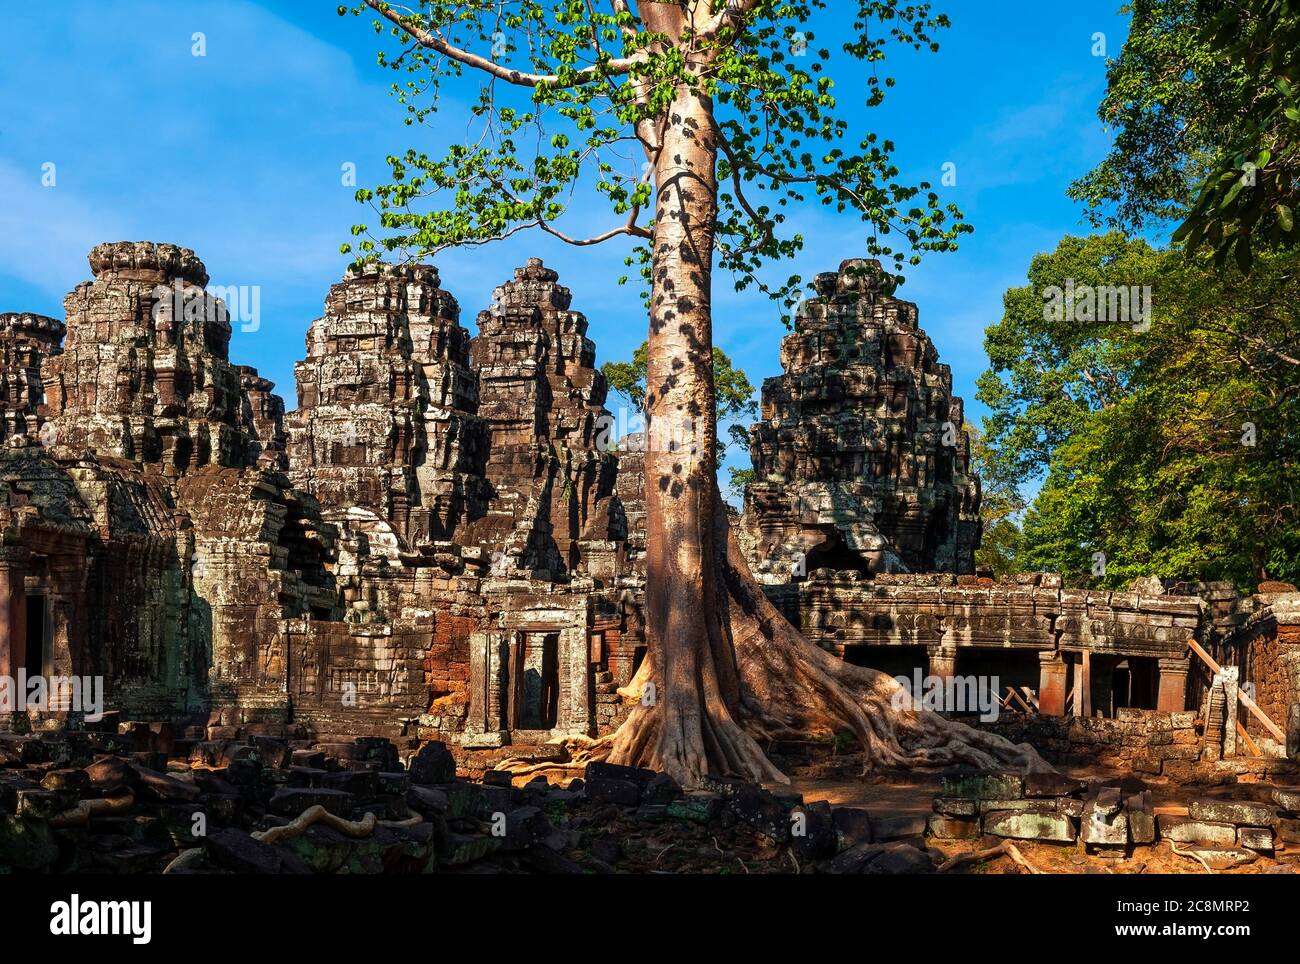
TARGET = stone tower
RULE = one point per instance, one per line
(861, 459)
(26, 340)
(543, 400)
(386, 419)
(145, 373)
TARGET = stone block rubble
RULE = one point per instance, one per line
(144, 800)
(1111, 817)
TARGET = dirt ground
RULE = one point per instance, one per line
(912, 795)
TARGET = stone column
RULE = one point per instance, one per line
(575, 711)
(1083, 684)
(1293, 732)
(1172, 694)
(483, 725)
(9, 645)
(13, 622)
(943, 663)
(1051, 683)
(1228, 676)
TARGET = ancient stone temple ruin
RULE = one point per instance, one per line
(443, 540)
(430, 542)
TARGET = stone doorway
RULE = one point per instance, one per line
(37, 657)
(539, 676)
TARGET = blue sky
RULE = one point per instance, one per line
(237, 154)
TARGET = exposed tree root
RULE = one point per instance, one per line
(298, 826)
(1006, 848)
(1191, 856)
(314, 815)
(80, 815)
(183, 860)
(764, 681)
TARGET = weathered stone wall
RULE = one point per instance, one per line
(1145, 741)
(945, 611)
(1266, 651)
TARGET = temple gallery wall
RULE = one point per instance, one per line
(440, 541)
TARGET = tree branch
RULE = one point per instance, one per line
(435, 41)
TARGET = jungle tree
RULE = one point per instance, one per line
(731, 120)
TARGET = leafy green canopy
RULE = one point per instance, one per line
(1169, 446)
(572, 99)
(1205, 100)
(1001, 505)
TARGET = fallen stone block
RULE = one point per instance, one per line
(982, 785)
(26, 843)
(44, 804)
(1240, 813)
(1258, 839)
(1052, 785)
(432, 763)
(1288, 830)
(291, 801)
(896, 828)
(812, 830)
(613, 771)
(624, 793)
(312, 759)
(1141, 827)
(112, 773)
(852, 827)
(76, 780)
(663, 789)
(273, 753)
(1071, 807)
(1100, 828)
(989, 806)
(237, 851)
(761, 810)
(952, 828)
(462, 848)
(1031, 825)
(1288, 798)
(362, 784)
(956, 806)
(1222, 858)
(1189, 830)
(1108, 801)
(697, 807)
(882, 858)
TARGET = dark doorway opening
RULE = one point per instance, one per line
(35, 648)
(1135, 683)
(541, 682)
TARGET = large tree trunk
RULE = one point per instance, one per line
(725, 666)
